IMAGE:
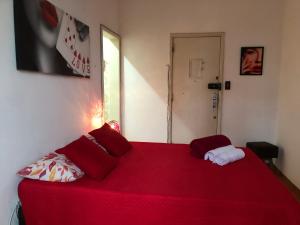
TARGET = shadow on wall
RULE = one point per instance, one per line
(281, 158)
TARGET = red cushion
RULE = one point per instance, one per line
(111, 140)
(203, 145)
(89, 158)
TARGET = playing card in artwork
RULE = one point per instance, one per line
(74, 44)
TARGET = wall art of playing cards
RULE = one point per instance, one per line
(49, 40)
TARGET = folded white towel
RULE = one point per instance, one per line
(224, 155)
(210, 155)
(229, 157)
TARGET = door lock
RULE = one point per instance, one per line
(215, 86)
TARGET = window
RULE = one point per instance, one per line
(111, 71)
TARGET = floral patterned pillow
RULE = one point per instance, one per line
(52, 167)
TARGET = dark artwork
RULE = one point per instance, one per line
(252, 60)
(49, 40)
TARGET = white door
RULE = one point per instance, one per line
(197, 61)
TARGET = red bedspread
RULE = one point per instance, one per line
(162, 184)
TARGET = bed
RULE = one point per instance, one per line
(162, 184)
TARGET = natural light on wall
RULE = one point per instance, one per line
(140, 113)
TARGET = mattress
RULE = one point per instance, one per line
(162, 184)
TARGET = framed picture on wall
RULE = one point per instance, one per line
(252, 61)
(49, 40)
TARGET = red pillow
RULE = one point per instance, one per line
(111, 140)
(203, 145)
(89, 158)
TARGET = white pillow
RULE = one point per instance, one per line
(52, 167)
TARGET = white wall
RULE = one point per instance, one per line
(39, 113)
(249, 111)
(289, 97)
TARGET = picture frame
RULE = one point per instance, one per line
(49, 40)
(252, 59)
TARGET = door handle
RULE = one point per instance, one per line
(215, 86)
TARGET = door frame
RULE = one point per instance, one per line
(170, 77)
(108, 30)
